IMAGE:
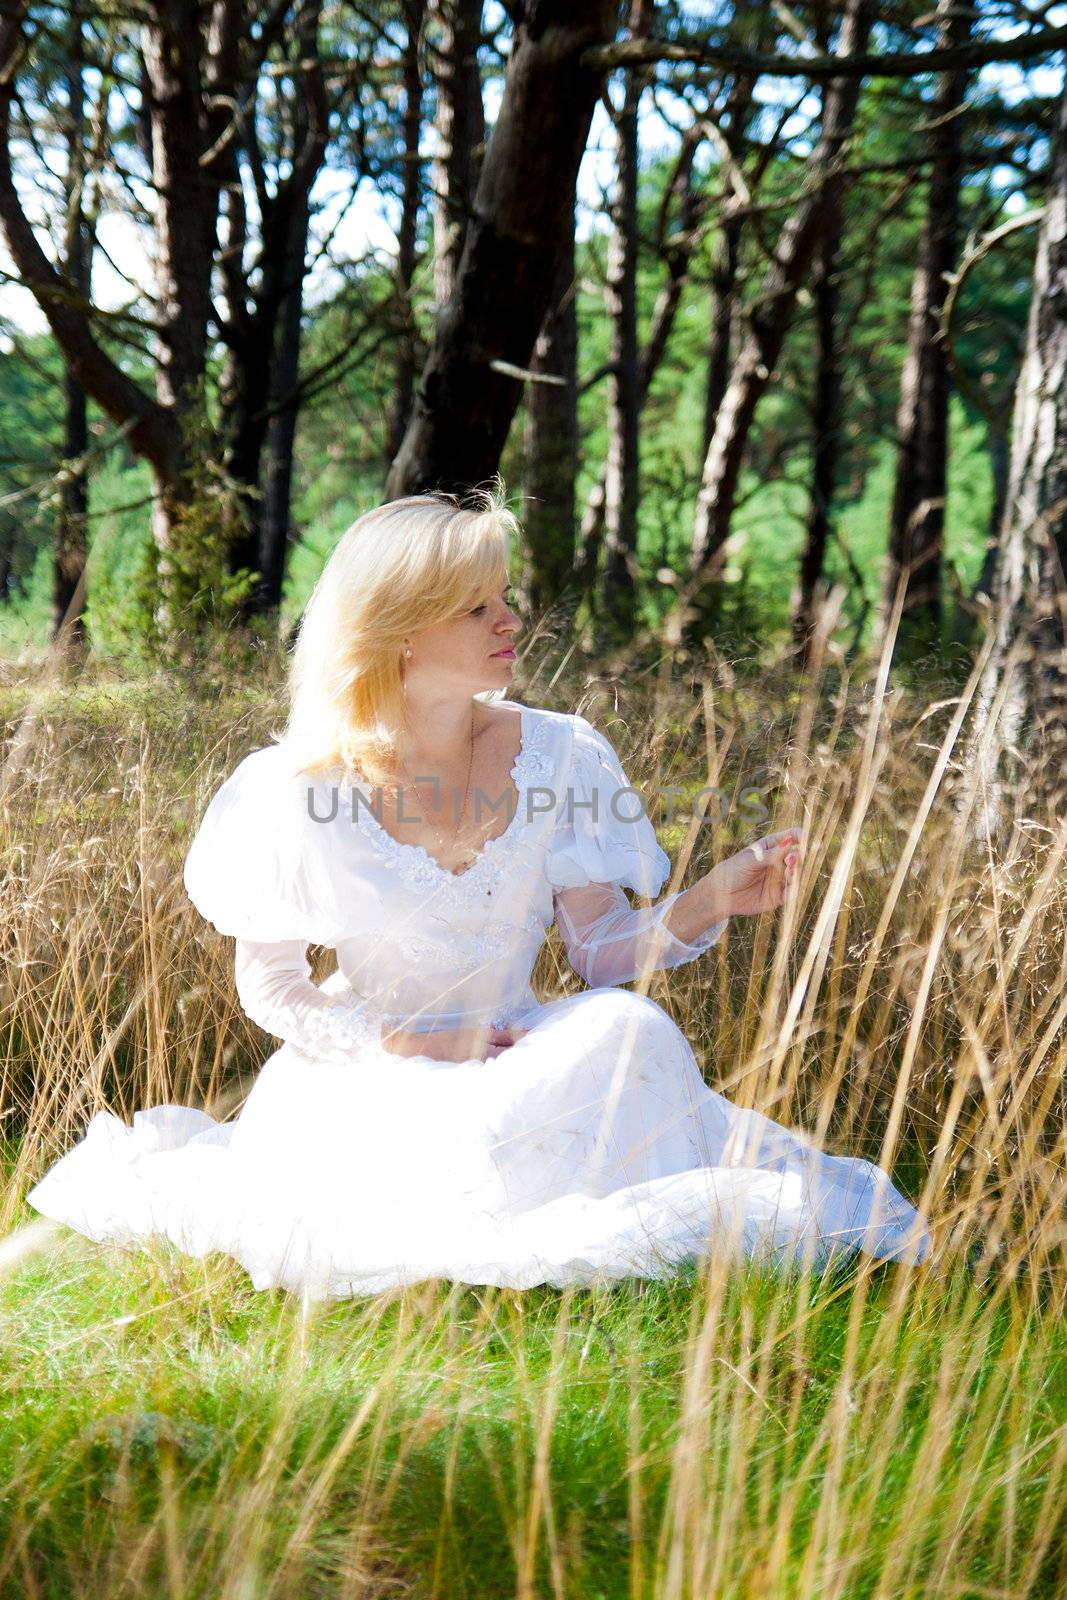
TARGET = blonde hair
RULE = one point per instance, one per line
(399, 568)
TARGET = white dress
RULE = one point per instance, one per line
(590, 1149)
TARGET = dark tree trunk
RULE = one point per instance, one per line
(1027, 665)
(310, 131)
(551, 444)
(826, 418)
(71, 543)
(460, 125)
(622, 573)
(309, 138)
(7, 547)
(472, 381)
(917, 519)
(406, 352)
(186, 221)
(275, 533)
(677, 252)
(768, 324)
(186, 112)
(263, 364)
(245, 374)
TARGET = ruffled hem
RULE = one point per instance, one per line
(174, 1175)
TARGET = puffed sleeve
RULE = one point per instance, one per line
(267, 864)
(603, 833)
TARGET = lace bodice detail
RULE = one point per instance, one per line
(416, 867)
(282, 860)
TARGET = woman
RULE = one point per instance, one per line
(425, 1116)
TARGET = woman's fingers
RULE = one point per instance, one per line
(778, 844)
(501, 1039)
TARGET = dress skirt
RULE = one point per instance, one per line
(589, 1151)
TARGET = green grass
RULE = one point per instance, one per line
(234, 1442)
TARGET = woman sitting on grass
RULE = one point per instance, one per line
(425, 1115)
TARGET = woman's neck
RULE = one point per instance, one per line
(444, 733)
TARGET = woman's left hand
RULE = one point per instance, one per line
(477, 1043)
(758, 877)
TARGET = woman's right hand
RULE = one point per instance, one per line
(452, 1044)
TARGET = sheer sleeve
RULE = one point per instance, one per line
(275, 990)
(608, 941)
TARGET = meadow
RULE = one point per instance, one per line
(731, 1431)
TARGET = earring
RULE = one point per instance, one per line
(407, 652)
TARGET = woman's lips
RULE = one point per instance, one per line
(508, 655)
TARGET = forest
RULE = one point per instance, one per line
(774, 344)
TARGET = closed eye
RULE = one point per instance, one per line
(479, 609)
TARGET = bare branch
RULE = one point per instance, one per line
(891, 64)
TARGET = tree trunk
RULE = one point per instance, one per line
(622, 574)
(188, 108)
(71, 544)
(917, 519)
(1028, 656)
(767, 326)
(1000, 466)
(677, 252)
(469, 388)
(460, 135)
(186, 217)
(275, 533)
(310, 128)
(725, 266)
(263, 363)
(7, 547)
(404, 368)
(551, 444)
(826, 418)
(726, 250)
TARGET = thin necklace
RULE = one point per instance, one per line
(466, 792)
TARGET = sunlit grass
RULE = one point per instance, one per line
(876, 1431)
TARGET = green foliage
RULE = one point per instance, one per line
(120, 533)
(174, 1424)
(347, 361)
(181, 596)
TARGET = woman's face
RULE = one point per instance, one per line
(466, 651)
